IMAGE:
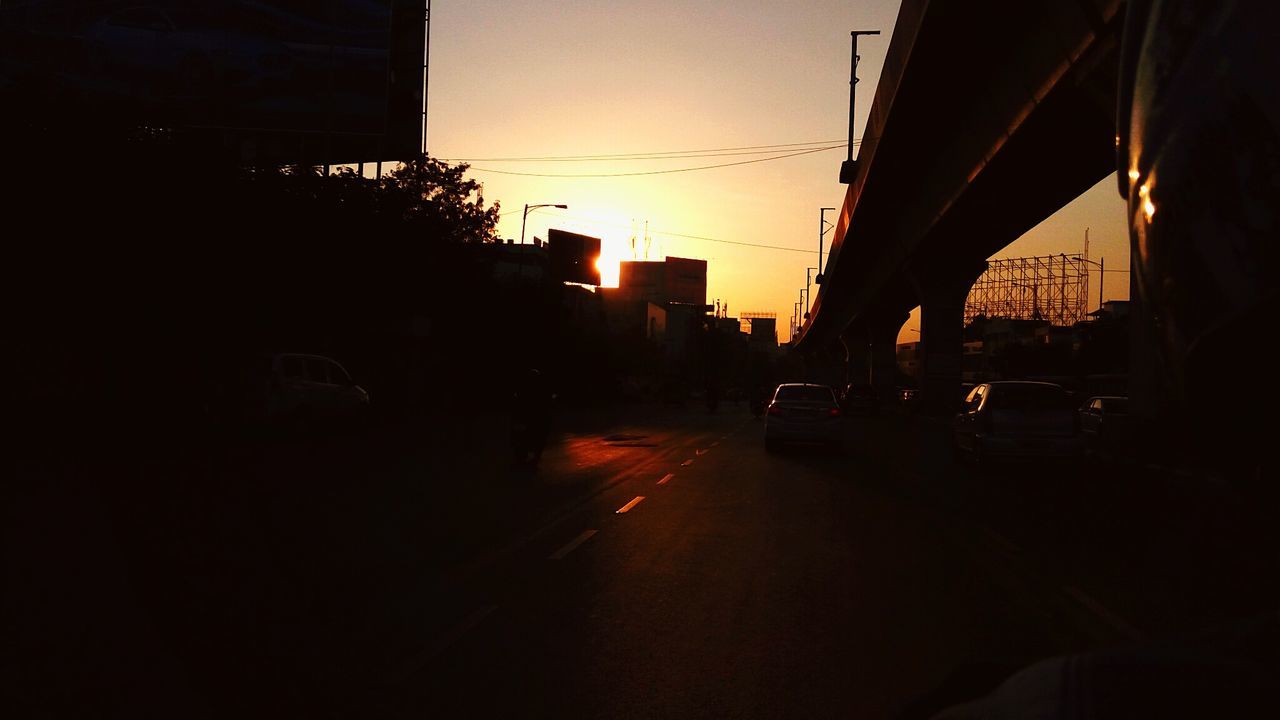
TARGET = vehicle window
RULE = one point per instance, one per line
(318, 370)
(805, 393)
(337, 375)
(291, 367)
(974, 399)
(1118, 406)
(1028, 397)
(1095, 406)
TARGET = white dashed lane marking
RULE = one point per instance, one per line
(628, 506)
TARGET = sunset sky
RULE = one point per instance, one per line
(560, 78)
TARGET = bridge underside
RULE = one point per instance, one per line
(983, 124)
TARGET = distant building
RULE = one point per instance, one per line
(729, 325)
(909, 358)
(510, 262)
(675, 279)
(1112, 310)
(762, 327)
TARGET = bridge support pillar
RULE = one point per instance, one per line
(883, 329)
(857, 346)
(872, 344)
(942, 296)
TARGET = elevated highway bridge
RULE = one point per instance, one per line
(988, 118)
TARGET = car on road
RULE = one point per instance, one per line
(312, 387)
(1015, 419)
(1105, 427)
(908, 395)
(802, 412)
(859, 398)
(282, 391)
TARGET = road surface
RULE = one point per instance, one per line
(659, 563)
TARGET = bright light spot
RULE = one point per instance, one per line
(1148, 207)
(1133, 174)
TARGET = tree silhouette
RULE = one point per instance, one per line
(429, 197)
(438, 197)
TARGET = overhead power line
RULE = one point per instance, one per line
(657, 155)
(692, 237)
(658, 172)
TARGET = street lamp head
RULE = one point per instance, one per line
(528, 208)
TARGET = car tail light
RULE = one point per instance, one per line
(775, 410)
(834, 412)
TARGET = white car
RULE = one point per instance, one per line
(312, 387)
(1016, 419)
(802, 412)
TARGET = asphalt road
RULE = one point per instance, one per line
(713, 579)
(657, 563)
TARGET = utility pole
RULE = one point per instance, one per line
(426, 74)
(822, 230)
(848, 166)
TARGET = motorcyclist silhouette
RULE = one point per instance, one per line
(530, 417)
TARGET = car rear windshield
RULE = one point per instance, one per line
(1116, 405)
(805, 393)
(1027, 397)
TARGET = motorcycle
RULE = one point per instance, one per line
(527, 441)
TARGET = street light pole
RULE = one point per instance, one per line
(822, 230)
(847, 167)
(528, 207)
(808, 281)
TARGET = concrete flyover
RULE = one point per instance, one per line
(988, 118)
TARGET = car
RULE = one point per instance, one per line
(312, 387)
(802, 412)
(282, 391)
(1104, 425)
(1015, 419)
(859, 398)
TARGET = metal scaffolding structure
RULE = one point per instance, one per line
(1051, 287)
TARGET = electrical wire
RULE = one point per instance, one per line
(659, 155)
(666, 233)
(657, 172)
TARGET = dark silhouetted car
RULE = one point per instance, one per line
(802, 412)
(859, 399)
(1104, 425)
(1016, 420)
(312, 387)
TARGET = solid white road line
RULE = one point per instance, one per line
(572, 545)
(666, 478)
(628, 506)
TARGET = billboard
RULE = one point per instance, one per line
(313, 81)
(573, 258)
